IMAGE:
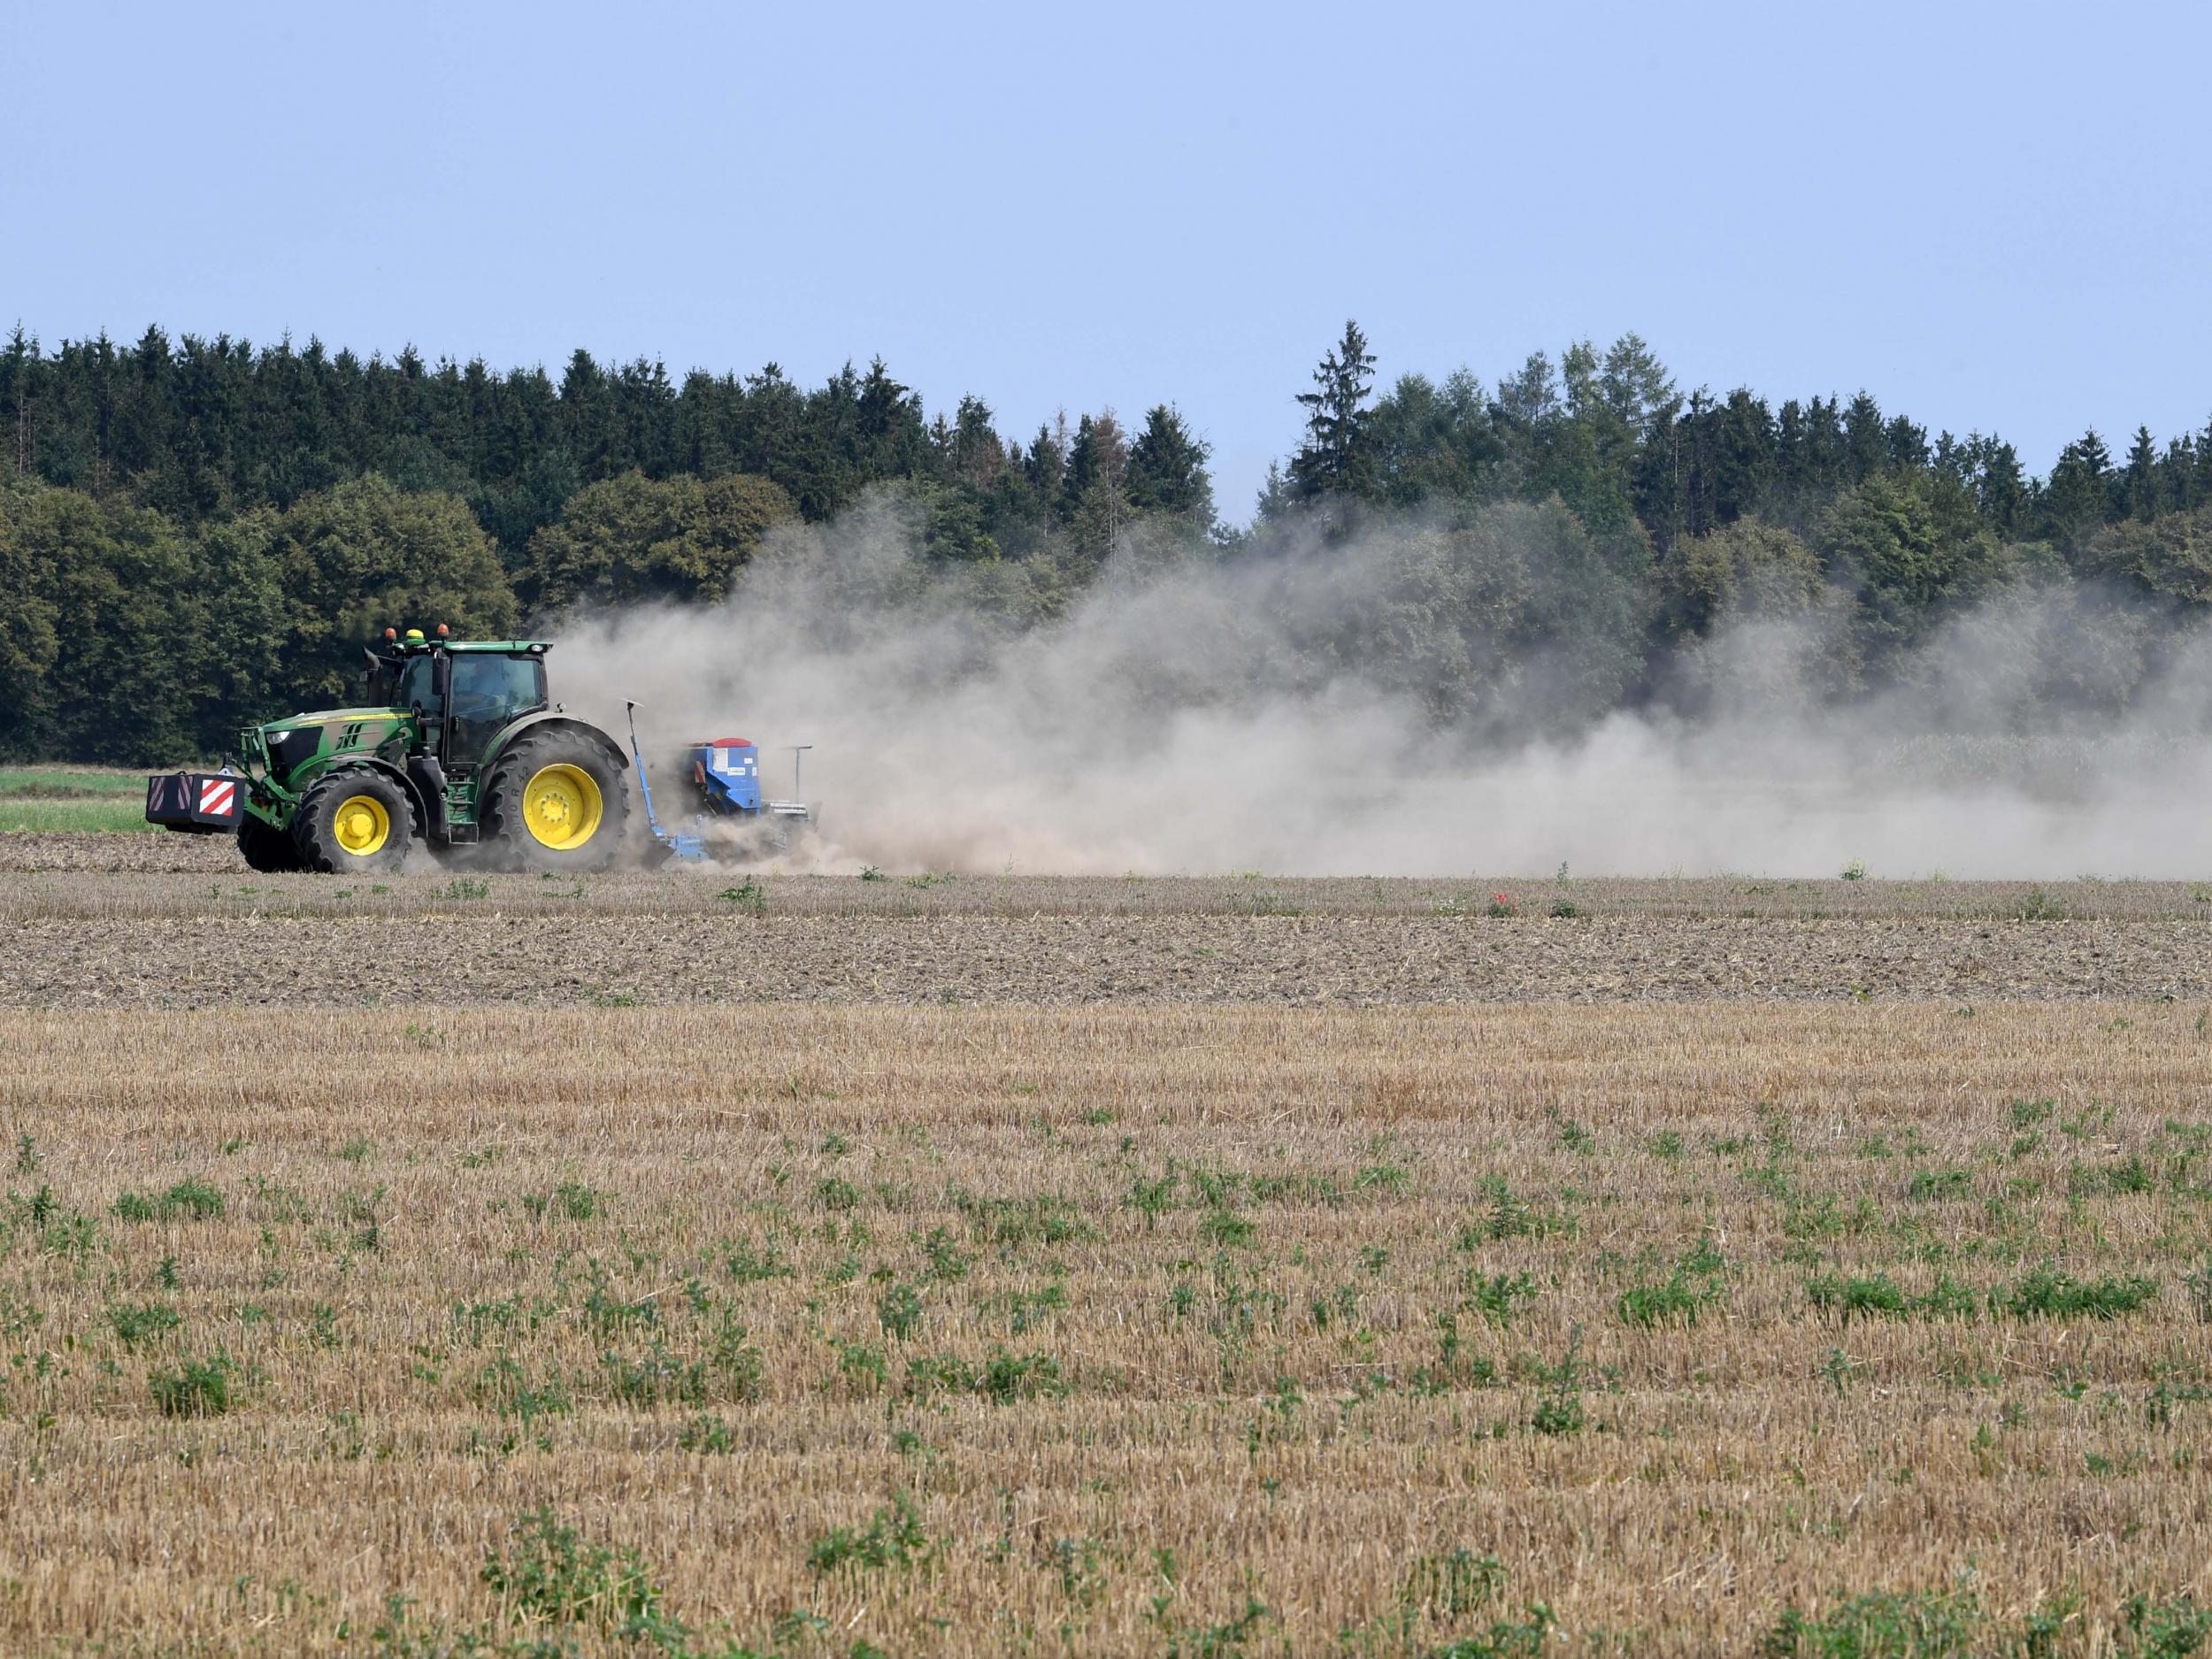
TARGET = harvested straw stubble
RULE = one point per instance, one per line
(1688, 1316)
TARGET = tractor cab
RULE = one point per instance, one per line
(461, 695)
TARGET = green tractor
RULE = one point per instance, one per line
(463, 748)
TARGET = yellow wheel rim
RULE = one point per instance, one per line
(361, 825)
(561, 808)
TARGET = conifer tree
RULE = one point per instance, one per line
(1167, 469)
(1334, 459)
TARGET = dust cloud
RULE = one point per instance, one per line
(1314, 713)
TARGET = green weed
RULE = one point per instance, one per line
(2165, 1630)
(2046, 1293)
(549, 1574)
(748, 896)
(1874, 1296)
(750, 1265)
(1043, 1220)
(505, 1387)
(899, 1312)
(1448, 1587)
(1002, 1378)
(194, 1388)
(894, 1537)
(1495, 1295)
(1226, 1228)
(1913, 1625)
(1932, 1184)
(571, 1200)
(1649, 1305)
(189, 1200)
(707, 1436)
(1219, 1641)
(144, 1323)
(658, 1378)
(1559, 1410)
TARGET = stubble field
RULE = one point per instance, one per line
(1393, 1278)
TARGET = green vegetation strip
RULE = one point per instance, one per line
(48, 800)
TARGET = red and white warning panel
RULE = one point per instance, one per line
(197, 802)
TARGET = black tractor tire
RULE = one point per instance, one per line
(353, 821)
(267, 847)
(555, 800)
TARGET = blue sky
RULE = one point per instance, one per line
(1993, 217)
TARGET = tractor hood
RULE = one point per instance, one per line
(293, 743)
(324, 717)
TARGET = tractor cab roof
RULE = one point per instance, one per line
(413, 642)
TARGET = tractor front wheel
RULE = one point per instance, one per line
(266, 847)
(556, 800)
(353, 821)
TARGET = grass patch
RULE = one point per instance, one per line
(59, 800)
(72, 783)
(21, 816)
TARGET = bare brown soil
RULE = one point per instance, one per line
(119, 937)
(482, 956)
(87, 852)
(73, 875)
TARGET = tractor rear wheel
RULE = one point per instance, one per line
(267, 847)
(556, 800)
(353, 821)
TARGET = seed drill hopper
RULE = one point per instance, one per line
(723, 806)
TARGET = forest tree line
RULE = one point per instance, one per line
(199, 533)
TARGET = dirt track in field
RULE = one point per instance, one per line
(107, 877)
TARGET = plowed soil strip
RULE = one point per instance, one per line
(562, 961)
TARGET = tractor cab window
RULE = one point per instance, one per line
(486, 692)
(382, 680)
(418, 687)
